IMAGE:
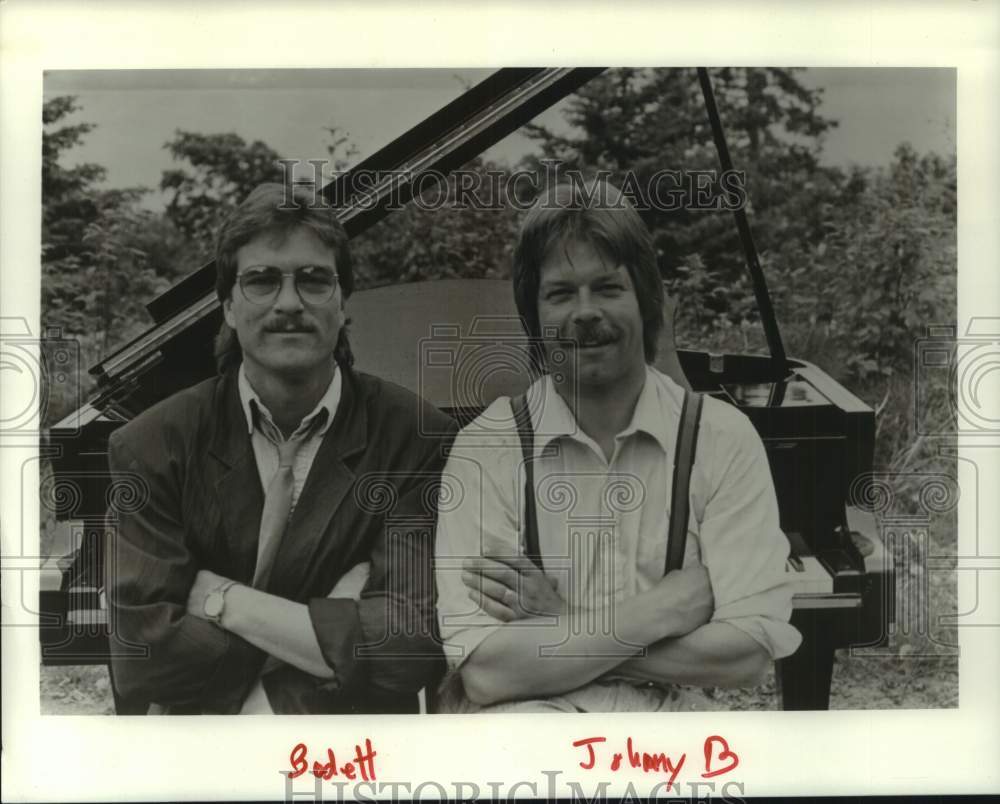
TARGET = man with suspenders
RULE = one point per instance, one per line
(612, 539)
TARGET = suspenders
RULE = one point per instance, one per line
(687, 441)
(522, 417)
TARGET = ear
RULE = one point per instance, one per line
(227, 312)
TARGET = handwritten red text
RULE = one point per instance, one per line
(363, 763)
(719, 758)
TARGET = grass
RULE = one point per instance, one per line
(80, 690)
(896, 682)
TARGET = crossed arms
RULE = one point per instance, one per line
(160, 564)
(278, 626)
(719, 622)
(668, 625)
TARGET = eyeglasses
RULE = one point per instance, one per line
(261, 284)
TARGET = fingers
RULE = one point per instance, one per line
(510, 587)
(492, 589)
(492, 607)
(209, 578)
(505, 568)
(490, 568)
(519, 563)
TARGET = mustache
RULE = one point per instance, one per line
(600, 332)
(288, 325)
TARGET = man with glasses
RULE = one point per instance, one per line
(262, 573)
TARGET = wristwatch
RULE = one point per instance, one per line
(215, 602)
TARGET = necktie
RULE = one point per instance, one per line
(278, 504)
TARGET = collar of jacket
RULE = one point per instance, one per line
(241, 498)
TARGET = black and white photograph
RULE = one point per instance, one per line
(243, 515)
(592, 390)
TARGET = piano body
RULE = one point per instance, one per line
(819, 437)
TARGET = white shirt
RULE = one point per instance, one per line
(264, 435)
(603, 524)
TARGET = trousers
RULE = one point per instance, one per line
(600, 695)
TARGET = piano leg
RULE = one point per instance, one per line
(804, 678)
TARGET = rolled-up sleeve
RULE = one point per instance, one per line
(386, 637)
(480, 515)
(150, 570)
(741, 541)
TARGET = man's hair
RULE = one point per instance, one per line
(596, 212)
(276, 210)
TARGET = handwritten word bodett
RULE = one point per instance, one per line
(363, 763)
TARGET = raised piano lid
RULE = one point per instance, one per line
(187, 316)
(446, 140)
(443, 142)
(79, 418)
(449, 138)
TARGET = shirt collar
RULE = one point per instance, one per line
(659, 396)
(328, 402)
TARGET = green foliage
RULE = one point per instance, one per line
(644, 121)
(431, 241)
(858, 262)
(895, 248)
(221, 171)
(71, 201)
(96, 247)
(116, 274)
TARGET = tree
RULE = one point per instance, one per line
(420, 241)
(116, 273)
(95, 272)
(68, 207)
(67, 193)
(635, 123)
(858, 261)
(89, 237)
(222, 170)
(428, 239)
(886, 266)
(644, 121)
(854, 259)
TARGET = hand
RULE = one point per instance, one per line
(511, 587)
(688, 597)
(205, 582)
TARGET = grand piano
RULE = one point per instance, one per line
(819, 437)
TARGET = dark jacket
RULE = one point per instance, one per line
(369, 496)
